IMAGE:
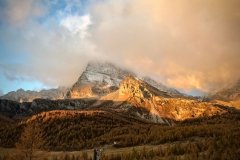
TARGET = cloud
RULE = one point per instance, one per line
(190, 45)
(77, 24)
(54, 56)
(18, 12)
(48, 51)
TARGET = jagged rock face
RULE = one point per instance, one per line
(228, 94)
(133, 87)
(171, 91)
(98, 79)
(181, 109)
(158, 106)
(130, 86)
(28, 96)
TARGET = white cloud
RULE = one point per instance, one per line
(187, 44)
(77, 24)
(18, 12)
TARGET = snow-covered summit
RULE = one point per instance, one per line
(101, 78)
(103, 72)
(98, 79)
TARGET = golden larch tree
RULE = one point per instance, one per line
(30, 139)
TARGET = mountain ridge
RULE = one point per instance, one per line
(228, 94)
(105, 86)
(22, 95)
(98, 79)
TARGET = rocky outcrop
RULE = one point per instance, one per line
(160, 106)
(149, 103)
(134, 87)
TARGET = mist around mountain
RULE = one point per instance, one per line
(101, 78)
(127, 92)
(228, 94)
(109, 106)
(97, 79)
(121, 90)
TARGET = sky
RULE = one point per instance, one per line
(193, 46)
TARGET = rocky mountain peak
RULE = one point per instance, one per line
(98, 79)
(134, 87)
(151, 103)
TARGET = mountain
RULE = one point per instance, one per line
(228, 94)
(97, 80)
(107, 87)
(121, 90)
(138, 98)
(134, 114)
(28, 96)
(134, 98)
(111, 107)
(100, 79)
(171, 91)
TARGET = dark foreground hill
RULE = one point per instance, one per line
(214, 137)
